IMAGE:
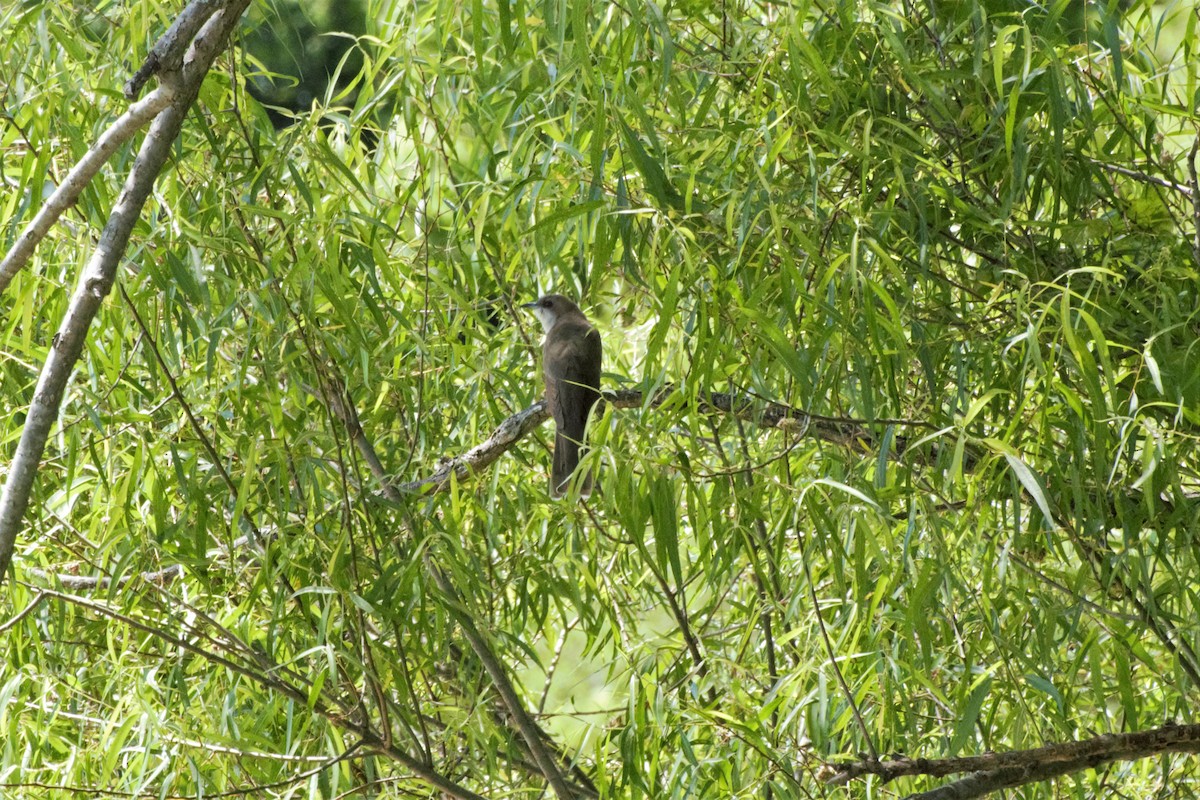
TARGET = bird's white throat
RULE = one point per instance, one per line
(546, 317)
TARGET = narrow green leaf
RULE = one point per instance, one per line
(1032, 485)
(964, 728)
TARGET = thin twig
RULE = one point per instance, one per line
(24, 612)
(217, 462)
(1146, 178)
(768, 600)
(812, 591)
(1195, 199)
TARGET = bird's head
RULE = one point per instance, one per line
(549, 308)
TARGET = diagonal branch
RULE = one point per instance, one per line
(528, 729)
(337, 398)
(167, 53)
(995, 771)
(100, 273)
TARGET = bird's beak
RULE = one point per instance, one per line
(529, 305)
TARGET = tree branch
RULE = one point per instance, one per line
(167, 53)
(333, 392)
(100, 273)
(528, 729)
(844, 432)
(995, 771)
(1154, 180)
(78, 583)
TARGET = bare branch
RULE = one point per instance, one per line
(479, 457)
(77, 583)
(995, 771)
(1153, 180)
(844, 432)
(167, 53)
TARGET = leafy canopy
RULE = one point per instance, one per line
(975, 218)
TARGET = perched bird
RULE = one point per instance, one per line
(571, 366)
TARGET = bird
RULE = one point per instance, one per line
(571, 359)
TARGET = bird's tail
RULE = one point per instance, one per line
(567, 453)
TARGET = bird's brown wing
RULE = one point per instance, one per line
(572, 365)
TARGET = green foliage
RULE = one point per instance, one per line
(305, 52)
(971, 216)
